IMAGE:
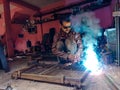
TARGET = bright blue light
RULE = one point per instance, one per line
(91, 62)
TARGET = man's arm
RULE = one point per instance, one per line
(55, 51)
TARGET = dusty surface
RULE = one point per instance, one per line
(97, 82)
(5, 79)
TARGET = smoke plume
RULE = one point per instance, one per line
(88, 25)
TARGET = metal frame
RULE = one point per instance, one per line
(44, 76)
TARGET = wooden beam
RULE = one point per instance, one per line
(25, 4)
(8, 33)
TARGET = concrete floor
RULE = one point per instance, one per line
(5, 80)
(93, 82)
(113, 72)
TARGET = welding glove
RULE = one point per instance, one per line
(73, 58)
(77, 57)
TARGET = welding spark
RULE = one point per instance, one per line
(91, 62)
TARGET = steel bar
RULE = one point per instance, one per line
(52, 79)
(84, 77)
(49, 69)
(16, 74)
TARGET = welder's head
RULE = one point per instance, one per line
(65, 24)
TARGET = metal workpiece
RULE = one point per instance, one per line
(56, 74)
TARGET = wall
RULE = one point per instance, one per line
(48, 25)
(20, 43)
(104, 14)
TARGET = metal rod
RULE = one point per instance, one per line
(84, 77)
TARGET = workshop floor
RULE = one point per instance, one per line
(5, 80)
(113, 72)
(94, 82)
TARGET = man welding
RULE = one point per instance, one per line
(67, 44)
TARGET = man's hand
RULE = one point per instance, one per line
(77, 58)
(73, 58)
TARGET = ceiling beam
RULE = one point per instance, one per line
(70, 6)
(63, 8)
(67, 7)
(25, 4)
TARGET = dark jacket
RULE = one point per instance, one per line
(62, 35)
